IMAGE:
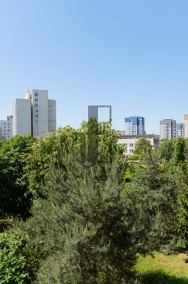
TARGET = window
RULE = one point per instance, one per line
(36, 115)
(36, 94)
(131, 145)
(36, 105)
(36, 99)
(36, 110)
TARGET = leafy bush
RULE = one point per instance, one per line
(12, 259)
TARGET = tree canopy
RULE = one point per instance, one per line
(69, 214)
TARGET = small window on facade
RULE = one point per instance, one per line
(36, 94)
(36, 105)
(36, 99)
(36, 115)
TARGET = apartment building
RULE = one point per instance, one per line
(180, 130)
(167, 128)
(6, 127)
(35, 115)
(134, 125)
(22, 117)
(170, 129)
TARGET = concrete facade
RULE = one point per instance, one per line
(51, 115)
(39, 114)
(167, 128)
(22, 117)
(42, 114)
(6, 126)
(180, 130)
(186, 125)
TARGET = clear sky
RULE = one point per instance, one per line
(131, 54)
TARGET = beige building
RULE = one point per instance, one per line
(129, 142)
(186, 125)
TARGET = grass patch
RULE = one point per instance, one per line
(163, 269)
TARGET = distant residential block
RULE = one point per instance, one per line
(6, 127)
(35, 115)
(180, 130)
(134, 125)
(22, 117)
(167, 128)
(170, 129)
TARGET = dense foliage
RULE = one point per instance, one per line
(73, 210)
(14, 194)
(12, 259)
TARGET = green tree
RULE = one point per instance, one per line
(2, 141)
(180, 237)
(179, 151)
(167, 149)
(56, 149)
(90, 228)
(155, 184)
(13, 259)
(142, 147)
(14, 194)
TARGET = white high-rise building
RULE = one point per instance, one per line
(35, 115)
(22, 117)
(6, 127)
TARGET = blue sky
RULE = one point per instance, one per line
(131, 54)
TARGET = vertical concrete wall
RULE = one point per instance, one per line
(35, 115)
(52, 115)
(186, 125)
(6, 127)
(40, 112)
(22, 117)
(167, 128)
